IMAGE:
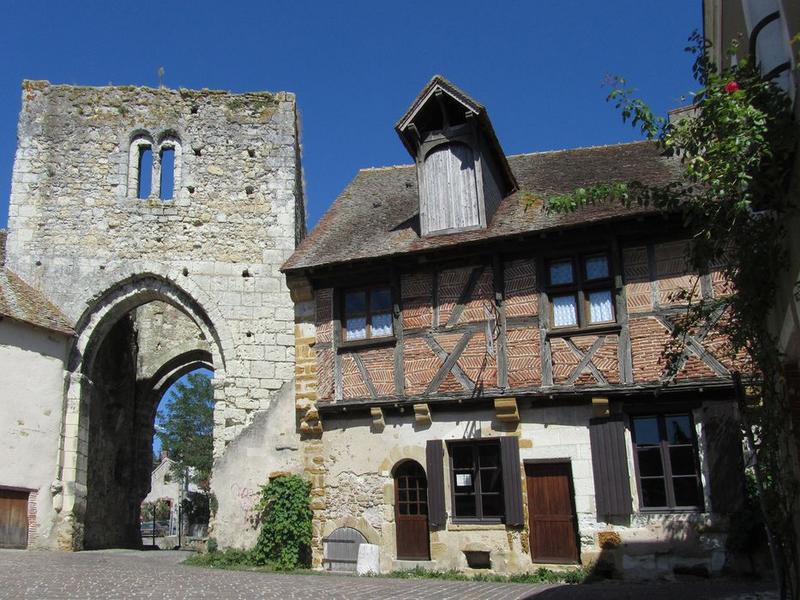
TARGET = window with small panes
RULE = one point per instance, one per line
(580, 291)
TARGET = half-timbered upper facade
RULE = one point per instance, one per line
(447, 320)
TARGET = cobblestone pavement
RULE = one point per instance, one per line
(132, 574)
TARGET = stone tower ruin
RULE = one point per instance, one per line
(157, 220)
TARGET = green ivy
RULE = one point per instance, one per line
(285, 537)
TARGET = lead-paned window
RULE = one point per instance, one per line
(367, 313)
(667, 462)
(477, 481)
(580, 291)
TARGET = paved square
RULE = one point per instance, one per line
(153, 574)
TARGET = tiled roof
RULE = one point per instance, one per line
(21, 302)
(377, 214)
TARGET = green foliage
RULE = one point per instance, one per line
(211, 545)
(196, 508)
(737, 149)
(160, 507)
(285, 536)
(186, 426)
(541, 575)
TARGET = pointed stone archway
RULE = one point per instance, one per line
(107, 422)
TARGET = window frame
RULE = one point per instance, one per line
(580, 288)
(666, 463)
(369, 339)
(477, 492)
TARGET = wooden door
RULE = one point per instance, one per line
(411, 512)
(13, 519)
(551, 510)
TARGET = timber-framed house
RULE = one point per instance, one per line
(480, 382)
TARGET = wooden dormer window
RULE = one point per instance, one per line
(580, 291)
(367, 313)
(462, 172)
(449, 192)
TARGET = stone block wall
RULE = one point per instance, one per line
(357, 490)
(78, 231)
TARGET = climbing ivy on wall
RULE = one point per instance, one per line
(285, 537)
(737, 149)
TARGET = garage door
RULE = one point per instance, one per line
(13, 519)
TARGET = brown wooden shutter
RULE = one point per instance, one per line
(434, 457)
(512, 481)
(610, 466)
(723, 442)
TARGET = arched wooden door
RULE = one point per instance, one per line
(411, 512)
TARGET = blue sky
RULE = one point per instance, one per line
(355, 66)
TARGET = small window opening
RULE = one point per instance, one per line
(167, 184)
(144, 184)
(478, 559)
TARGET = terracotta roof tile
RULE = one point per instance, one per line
(377, 214)
(21, 302)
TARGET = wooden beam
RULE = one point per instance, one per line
(465, 296)
(336, 338)
(585, 361)
(545, 354)
(499, 299)
(449, 364)
(653, 268)
(397, 322)
(624, 358)
(364, 374)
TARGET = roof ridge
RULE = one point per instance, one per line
(387, 167)
(595, 147)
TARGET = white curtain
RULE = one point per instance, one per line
(357, 328)
(381, 324)
(564, 311)
(600, 309)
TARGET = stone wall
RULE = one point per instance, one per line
(78, 232)
(358, 491)
(164, 333)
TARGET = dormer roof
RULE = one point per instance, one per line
(407, 124)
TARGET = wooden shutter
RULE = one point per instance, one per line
(434, 457)
(723, 442)
(512, 480)
(610, 466)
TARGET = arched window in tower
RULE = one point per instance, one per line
(140, 167)
(167, 184)
(169, 155)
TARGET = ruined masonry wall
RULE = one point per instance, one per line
(76, 227)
